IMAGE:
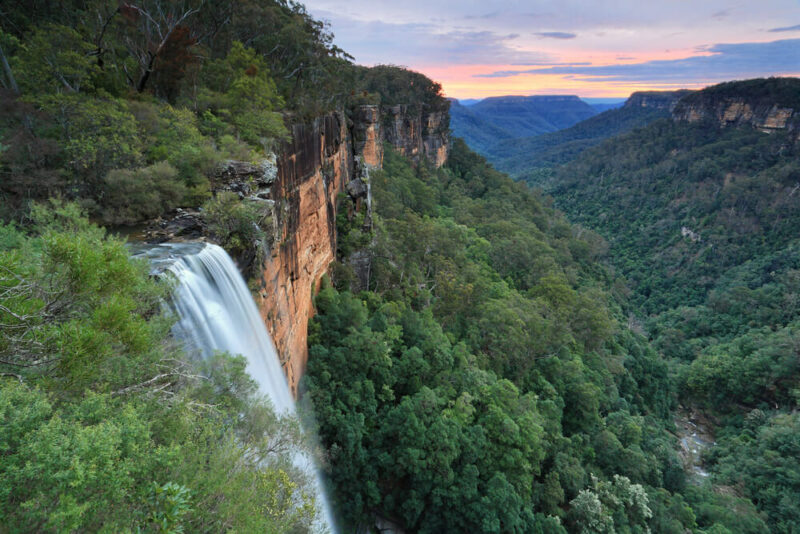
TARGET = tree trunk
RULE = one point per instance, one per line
(9, 74)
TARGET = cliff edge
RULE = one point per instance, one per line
(324, 159)
(768, 104)
(666, 100)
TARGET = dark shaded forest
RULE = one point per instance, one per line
(701, 221)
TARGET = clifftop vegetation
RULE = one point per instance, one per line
(784, 92)
(127, 108)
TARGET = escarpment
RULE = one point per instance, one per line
(328, 157)
(768, 105)
(417, 134)
(666, 100)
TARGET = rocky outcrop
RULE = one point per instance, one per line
(179, 225)
(333, 155)
(312, 170)
(768, 105)
(245, 178)
(666, 100)
(416, 134)
(367, 139)
(436, 137)
(739, 112)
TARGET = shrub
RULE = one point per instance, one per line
(97, 135)
(129, 196)
(172, 134)
(238, 226)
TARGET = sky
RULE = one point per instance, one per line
(593, 48)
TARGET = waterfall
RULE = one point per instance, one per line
(217, 313)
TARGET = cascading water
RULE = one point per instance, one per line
(217, 313)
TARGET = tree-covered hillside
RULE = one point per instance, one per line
(529, 158)
(501, 118)
(702, 221)
(106, 425)
(480, 132)
(127, 108)
(531, 115)
(486, 379)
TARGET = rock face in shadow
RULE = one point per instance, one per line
(768, 105)
(326, 158)
(666, 100)
(417, 134)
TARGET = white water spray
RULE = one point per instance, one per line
(217, 313)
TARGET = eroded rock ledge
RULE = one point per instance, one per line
(331, 156)
(768, 105)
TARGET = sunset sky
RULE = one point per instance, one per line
(590, 48)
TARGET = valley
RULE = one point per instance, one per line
(698, 210)
(249, 283)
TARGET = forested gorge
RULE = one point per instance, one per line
(486, 380)
(701, 221)
(499, 368)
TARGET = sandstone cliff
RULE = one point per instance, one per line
(333, 155)
(766, 104)
(416, 134)
(655, 99)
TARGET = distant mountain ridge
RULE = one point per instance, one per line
(478, 132)
(495, 119)
(524, 158)
(532, 115)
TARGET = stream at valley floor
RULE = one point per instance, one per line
(695, 435)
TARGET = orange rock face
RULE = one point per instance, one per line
(313, 169)
(367, 132)
(311, 173)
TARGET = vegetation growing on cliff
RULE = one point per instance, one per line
(105, 425)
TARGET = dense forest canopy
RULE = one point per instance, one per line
(494, 372)
(486, 379)
(701, 219)
(126, 108)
